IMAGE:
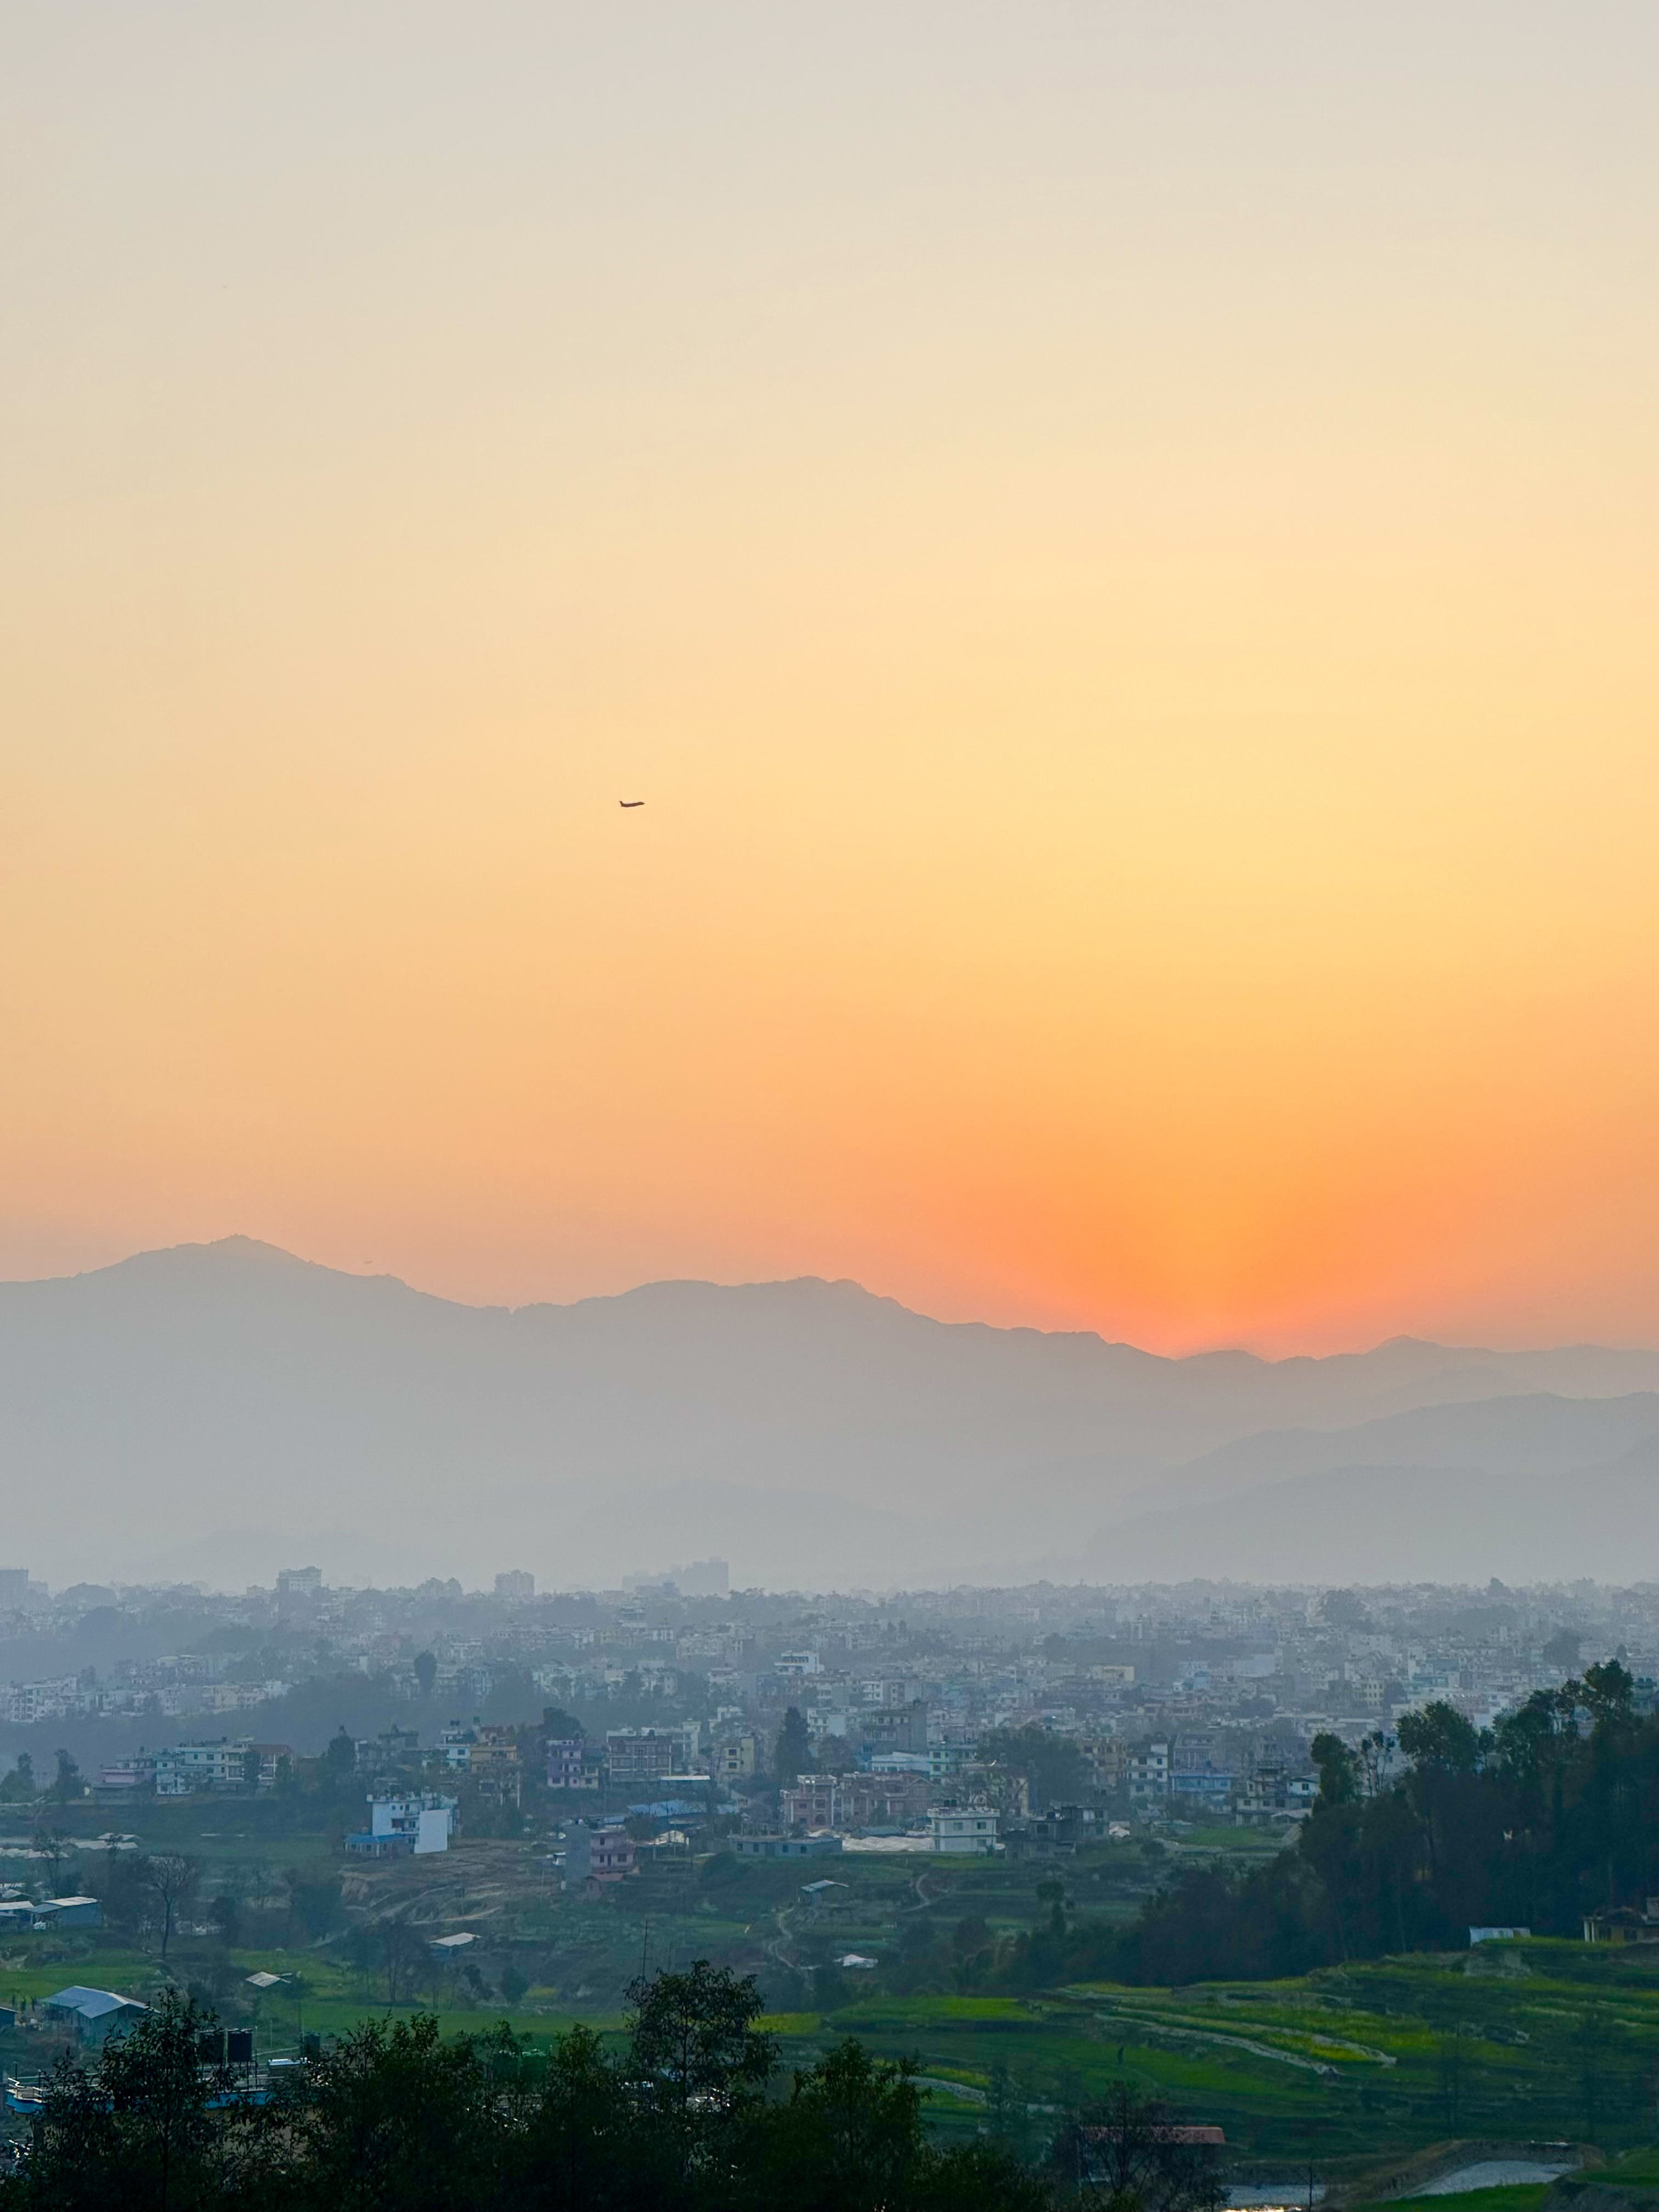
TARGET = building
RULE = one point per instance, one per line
(495, 1765)
(1149, 1774)
(647, 1754)
(69, 1912)
(1107, 1757)
(564, 1764)
(963, 1828)
(600, 1856)
(1061, 1828)
(896, 1727)
(947, 1757)
(13, 1588)
(127, 1777)
(813, 1801)
(516, 1585)
(611, 1855)
(1201, 1787)
(736, 1758)
(364, 1843)
(222, 1764)
(300, 1581)
(428, 1821)
(1096, 2161)
(22, 1704)
(882, 1800)
(92, 2013)
(785, 1847)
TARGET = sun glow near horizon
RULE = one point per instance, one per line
(1119, 551)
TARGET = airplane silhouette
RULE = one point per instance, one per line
(630, 802)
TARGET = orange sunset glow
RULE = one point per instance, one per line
(1117, 546)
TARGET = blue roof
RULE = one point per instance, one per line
(92, 2004)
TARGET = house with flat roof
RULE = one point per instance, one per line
(964, 1829)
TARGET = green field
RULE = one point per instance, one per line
(1511, 2042)
(1346, 2068)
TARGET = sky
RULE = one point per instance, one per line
(1117, 543)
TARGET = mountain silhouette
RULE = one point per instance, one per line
(214, 1411)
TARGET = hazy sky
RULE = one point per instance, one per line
(1118, 542)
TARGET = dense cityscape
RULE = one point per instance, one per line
(1201, 1700)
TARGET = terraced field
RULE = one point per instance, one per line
(1344, 2069)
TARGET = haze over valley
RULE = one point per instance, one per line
(194, 1413)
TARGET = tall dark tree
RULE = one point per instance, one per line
(695, 2053)
(793, 1747)
(172, 1878)
(394, 2115)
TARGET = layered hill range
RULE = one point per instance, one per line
(214, 1411)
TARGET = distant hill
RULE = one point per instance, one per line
(214, 1411)
(1373, 1523)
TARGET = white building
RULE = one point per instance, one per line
(963, 1828)
(429, 1820)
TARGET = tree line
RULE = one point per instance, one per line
(692, 2114)
(1551, 1816)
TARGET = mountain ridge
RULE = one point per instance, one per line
(250, 1388)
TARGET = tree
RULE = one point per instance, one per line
(50, 1843)
(144, 2124)
(582, 2149)
(1344, 1609)
(426, 1673)
(173, 1878)
(695, 2053)
(18, 1788)
(1132, 2152)
(313, 1900)
(1608, 1693)
(403, 1955)
(1339, 1770)
(851, 2133)
(122, 1882)
(341, 1757)
(394, 2115)
(793, 1747)
(67, 1786)
(1052, 1765)
(1563, 1648)
(1440, 1737)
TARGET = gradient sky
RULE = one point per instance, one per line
(1118, 542)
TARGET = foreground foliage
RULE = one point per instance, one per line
(692, 2116)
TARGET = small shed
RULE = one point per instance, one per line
(69, 1912)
